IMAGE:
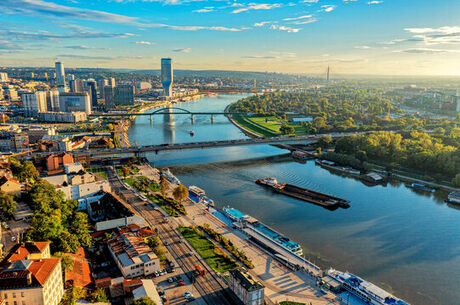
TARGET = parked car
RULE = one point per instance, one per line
(170, 280)
(180, 284)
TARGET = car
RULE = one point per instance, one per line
(164, 299)
(171, 264)
(190, 299)
(157, 273)
(170, 280)
(187, 294)
(161, 293)
(180, 284)
(163, 272)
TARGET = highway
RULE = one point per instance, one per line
(211, 288)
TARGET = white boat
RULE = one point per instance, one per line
(196, 191)
(365, 290)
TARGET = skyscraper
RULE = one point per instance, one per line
(167, 76)
(458, 100)
(60, 77)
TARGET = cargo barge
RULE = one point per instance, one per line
(326, 201)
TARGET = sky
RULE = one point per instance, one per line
(382, 37)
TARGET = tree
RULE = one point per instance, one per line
(66, 261)
(286, 129)
(181, 192)
(163, 186)
(456, 180)
(24, 171)
(7, 204)
(144, 301)
(98, 296)
(325, 141)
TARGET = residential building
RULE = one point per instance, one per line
(36, 134)
(112, 82)
(167, 76)
(124, 95)
(64, 117)
(79, 191)
(80, 273)
(109, 95)
(143, 85)
(132, 255)
(249, 291)
(73, 168)
(55, 163)
(90, 86)
(34, 103)
(3, 77)
(52, 100)
(60, 77)
(149, 290)
(5, 170)
(29, 275)
(75, 101)
(14, 141)
(10, 185)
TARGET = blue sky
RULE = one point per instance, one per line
(418, 37)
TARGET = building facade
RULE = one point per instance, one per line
(167, 76)
(124, 95)
(3, 77)
(249, 291)
(75, 102)
(34, 102)
(60, 77)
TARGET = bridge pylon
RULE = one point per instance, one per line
(191, 119)
(212, 118)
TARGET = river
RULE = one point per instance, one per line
(406, 242)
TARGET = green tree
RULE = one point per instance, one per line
(163, 186)
(325, 141)
(180, 192)
(286, 129)
(98, 296)
(144, 301)
(456, 180)
(66, 261)
(7, 204)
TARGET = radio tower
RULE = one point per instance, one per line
(327, 75)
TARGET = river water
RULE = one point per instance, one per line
(406, 242)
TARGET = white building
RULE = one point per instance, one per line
(52, 100)
(3, 77)
(249, 291)
(75, 192)
(60, 77)
(132, 255)
(34, 102)
(143, 85)
(64, 117)
(74, 102)
(149, 290)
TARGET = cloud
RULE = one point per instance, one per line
(205, 10)
(183, 50)
(298, 18)
(43, 35)
(260, 57)
(89, 57)
(82, 47)
(433, 36)
(305, 21)
(259, 24)
(328, 8)
(253, 6)
(374, 2)
(284, 28)
(147, 43)
(309, 1)
(363, 47)
(427, 51)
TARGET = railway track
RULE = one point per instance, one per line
(211, 287)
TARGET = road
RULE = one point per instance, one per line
(211, 288)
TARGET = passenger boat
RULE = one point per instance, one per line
(421, 187)
(207, 200)
(324, 200)
(454, 198)
(374, 178)
(365, 290)
(196, 190)
(336, 168)
(300, 155)
(168, 175)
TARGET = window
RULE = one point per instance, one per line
(22, 294)
(6, 296)
(14, 295)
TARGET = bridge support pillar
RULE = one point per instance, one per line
(212, 119)
(151, 120)
(191, 119)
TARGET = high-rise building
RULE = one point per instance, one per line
(74, 102)
(100, 86)
(167, 76)
(112, 82)
(60, 77)
(109, 95)
(458, 100)
(3, 77)
(52, 100)
(34, 102)
(124, 95)
(90, 86)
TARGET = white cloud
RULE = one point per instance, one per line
(147, 43)
(284, 28)
(297, 18)
(363, 47)
(328, 8)
(374, 2)
(427, 51)
(253, 6)
(259, 24)
(260, 57)
(205, 10)
(182, 50)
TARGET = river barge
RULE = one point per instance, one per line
(166, 173)
(300, 155)
(324, 200)
(364, 290)
(454, 198)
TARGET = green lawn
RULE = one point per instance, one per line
(97, 171)
(253, 127)
(273, 124)
(168, 209)
(212, 254)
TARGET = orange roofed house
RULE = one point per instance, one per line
(28, 275)
(55, 163)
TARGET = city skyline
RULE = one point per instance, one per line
(305, 36)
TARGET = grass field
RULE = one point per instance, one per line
(274, 124)
(171, 212)
(212, 254)
(97, 171)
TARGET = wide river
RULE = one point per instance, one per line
(403, 241)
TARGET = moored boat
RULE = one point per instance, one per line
(365, 290)
(300, 155)
(421, 187)
(454, 198)
(169, 176)
(321, 199)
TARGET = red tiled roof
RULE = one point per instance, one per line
(81, 272)
(42, 268)
(24, 250)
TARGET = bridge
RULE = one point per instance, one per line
(100, 153)
(166, 111)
